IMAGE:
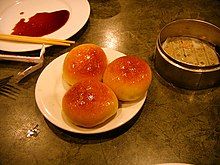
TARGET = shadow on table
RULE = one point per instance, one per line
(92, 138)
(171, 87)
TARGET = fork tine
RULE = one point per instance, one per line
(5, 80)
(10, 88)
(6, 94)
(7, 91)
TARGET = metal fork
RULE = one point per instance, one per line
(6, 87)
(8, 90)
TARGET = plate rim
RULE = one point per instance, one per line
(68, 34)
(40, 104)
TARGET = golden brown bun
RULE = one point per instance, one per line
(89, 103)
(84, 61)
(129, 77)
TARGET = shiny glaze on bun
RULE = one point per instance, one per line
(84, 61)
(89, 103)
(129, 77)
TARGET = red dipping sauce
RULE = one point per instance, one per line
(41, 24)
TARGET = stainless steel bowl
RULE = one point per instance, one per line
(182, 74)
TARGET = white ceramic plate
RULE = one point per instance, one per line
(50, 89)
(10, 15)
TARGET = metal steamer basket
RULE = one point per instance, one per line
(180, 73)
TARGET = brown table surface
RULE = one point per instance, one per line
(174, 125)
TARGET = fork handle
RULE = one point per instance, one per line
(27, 71)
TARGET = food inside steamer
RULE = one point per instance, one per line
(191, 51)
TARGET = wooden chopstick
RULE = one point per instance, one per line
(38, 40)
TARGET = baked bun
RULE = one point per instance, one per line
(84, 61)
(129, 77)
(89, 103)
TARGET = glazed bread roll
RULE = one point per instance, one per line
(89, 103)
(84, 61)
(129, 77)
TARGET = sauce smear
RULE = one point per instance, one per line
(41, 24)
